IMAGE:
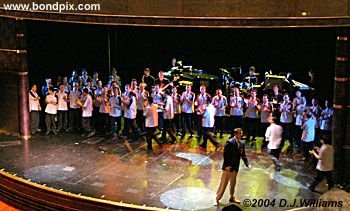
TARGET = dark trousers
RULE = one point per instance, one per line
(95, 119)
(104, 121)
(275, 155)
(236, 122)
(62, 120)
(160, 120)
(150, 134)
(168, 127)
(140, 120)
(219, 124)
(199, 125)
(207, 135)
(74, 118)
(34, 121)
(306, 147)
(252, 127)
(86, 124)
(50, 122)
(177, 122)
(287, 134)
(320, 176)
(317, 137)
(187, 123)
(115, 121)
(297, 135)
(129, 124)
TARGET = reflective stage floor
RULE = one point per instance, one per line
(178, 176)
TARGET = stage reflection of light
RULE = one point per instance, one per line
(50, 173)
(288, 181)
(189, 198)
(196, 159)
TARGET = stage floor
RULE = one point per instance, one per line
(178, 176)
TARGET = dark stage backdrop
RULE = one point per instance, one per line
(55, 48)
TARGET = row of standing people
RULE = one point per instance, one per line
(186, 109)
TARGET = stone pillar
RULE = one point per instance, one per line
(341, 120)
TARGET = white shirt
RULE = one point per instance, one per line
(235, 102)
(264, 114)
(51, 108)
(151, 115)
(34, 104)
(208, 118)
(187, 102)
(130, 111)
(158, 100)
(300, 111)
(87, 110)
(326, 163)
(219, 104)
(177, 104)
(252, 110)
(73, 96)
(308, 127)
(142, 97)
(326, 119)
(115, 109)
(274, 136)
(201, 100)
(286, 117)
(62, 105)
(169, 108)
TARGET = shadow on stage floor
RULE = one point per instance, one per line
(178, 176)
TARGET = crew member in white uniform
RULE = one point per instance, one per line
(51, 111)
(115, 112)
(130, 116)
(34, 109)
(187, 108)
(168, 115)
(220, 103)
(202, 100)
(74, 108)
(286, 119)
(273, 136)
(151, 116)
(62, 109)
(208, 113)
(87, 108)
(236, 111)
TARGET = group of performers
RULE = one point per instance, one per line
(154, 106)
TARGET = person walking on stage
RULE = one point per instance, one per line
(208, 119)
(273, 135)
(234, 150)
(151, 117)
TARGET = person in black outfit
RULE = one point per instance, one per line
(148, 79)
(234, 150)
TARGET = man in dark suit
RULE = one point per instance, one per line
(234, 150)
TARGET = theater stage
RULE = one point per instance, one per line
(178, 176)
